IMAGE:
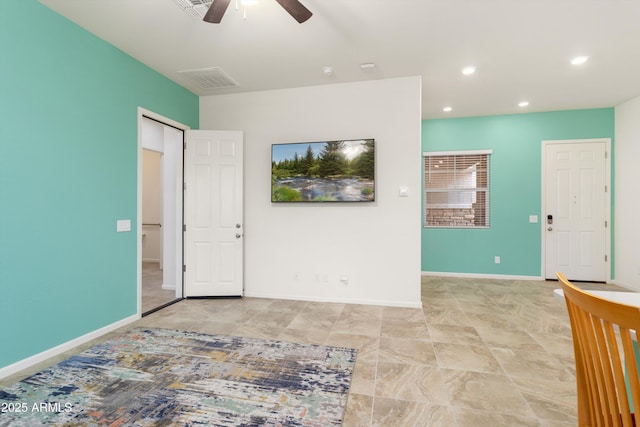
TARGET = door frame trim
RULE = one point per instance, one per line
(141, 113)
(607, 212)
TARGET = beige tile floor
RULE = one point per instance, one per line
(479, 353)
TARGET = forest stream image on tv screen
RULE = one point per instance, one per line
(326, 171)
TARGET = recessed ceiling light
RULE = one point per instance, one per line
(579, 60)
(447, 109)
(523, 103)
(467, 71)
(327, 71)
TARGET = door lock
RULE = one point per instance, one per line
(549, 219)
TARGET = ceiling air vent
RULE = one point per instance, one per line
(209, 78)
(194, 7)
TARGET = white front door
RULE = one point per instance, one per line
(575, 216)
(213, 214)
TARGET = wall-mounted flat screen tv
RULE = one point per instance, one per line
(327, 171)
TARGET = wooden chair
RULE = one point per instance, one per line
(603, 342)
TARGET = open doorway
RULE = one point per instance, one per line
(160, 212)
(154, 293)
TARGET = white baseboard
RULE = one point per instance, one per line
(624, 285)
(481, 276)
(41, 357)
(169, 286)
(151, 260)
(406, 304)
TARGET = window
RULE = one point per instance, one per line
(456, 189)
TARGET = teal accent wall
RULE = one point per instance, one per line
(68, 171)
(516, 180)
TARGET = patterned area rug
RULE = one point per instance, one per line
(163, 377)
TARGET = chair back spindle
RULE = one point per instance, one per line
(606, 355)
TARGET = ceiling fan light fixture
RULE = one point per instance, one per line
(214, 10)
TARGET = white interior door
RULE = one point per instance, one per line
(575, 221)
(213, 214)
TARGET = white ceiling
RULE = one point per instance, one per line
(521, 48)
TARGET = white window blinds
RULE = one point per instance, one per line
(456, 186)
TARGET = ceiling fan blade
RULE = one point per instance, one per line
(296, 9)
(216, 11)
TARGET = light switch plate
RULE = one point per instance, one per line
(123, 225)
(403, 192)
(533, 219)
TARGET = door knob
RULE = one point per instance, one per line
(238, 236)
(550, 228)
(238, 226)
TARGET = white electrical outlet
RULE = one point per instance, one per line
(497, 259)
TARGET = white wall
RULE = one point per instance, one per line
(299, 251)
(151, 205)
(627, 192)
(153, 144)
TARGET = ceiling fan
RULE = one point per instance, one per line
(294, 7)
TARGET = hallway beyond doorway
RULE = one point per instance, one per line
(153, 296)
